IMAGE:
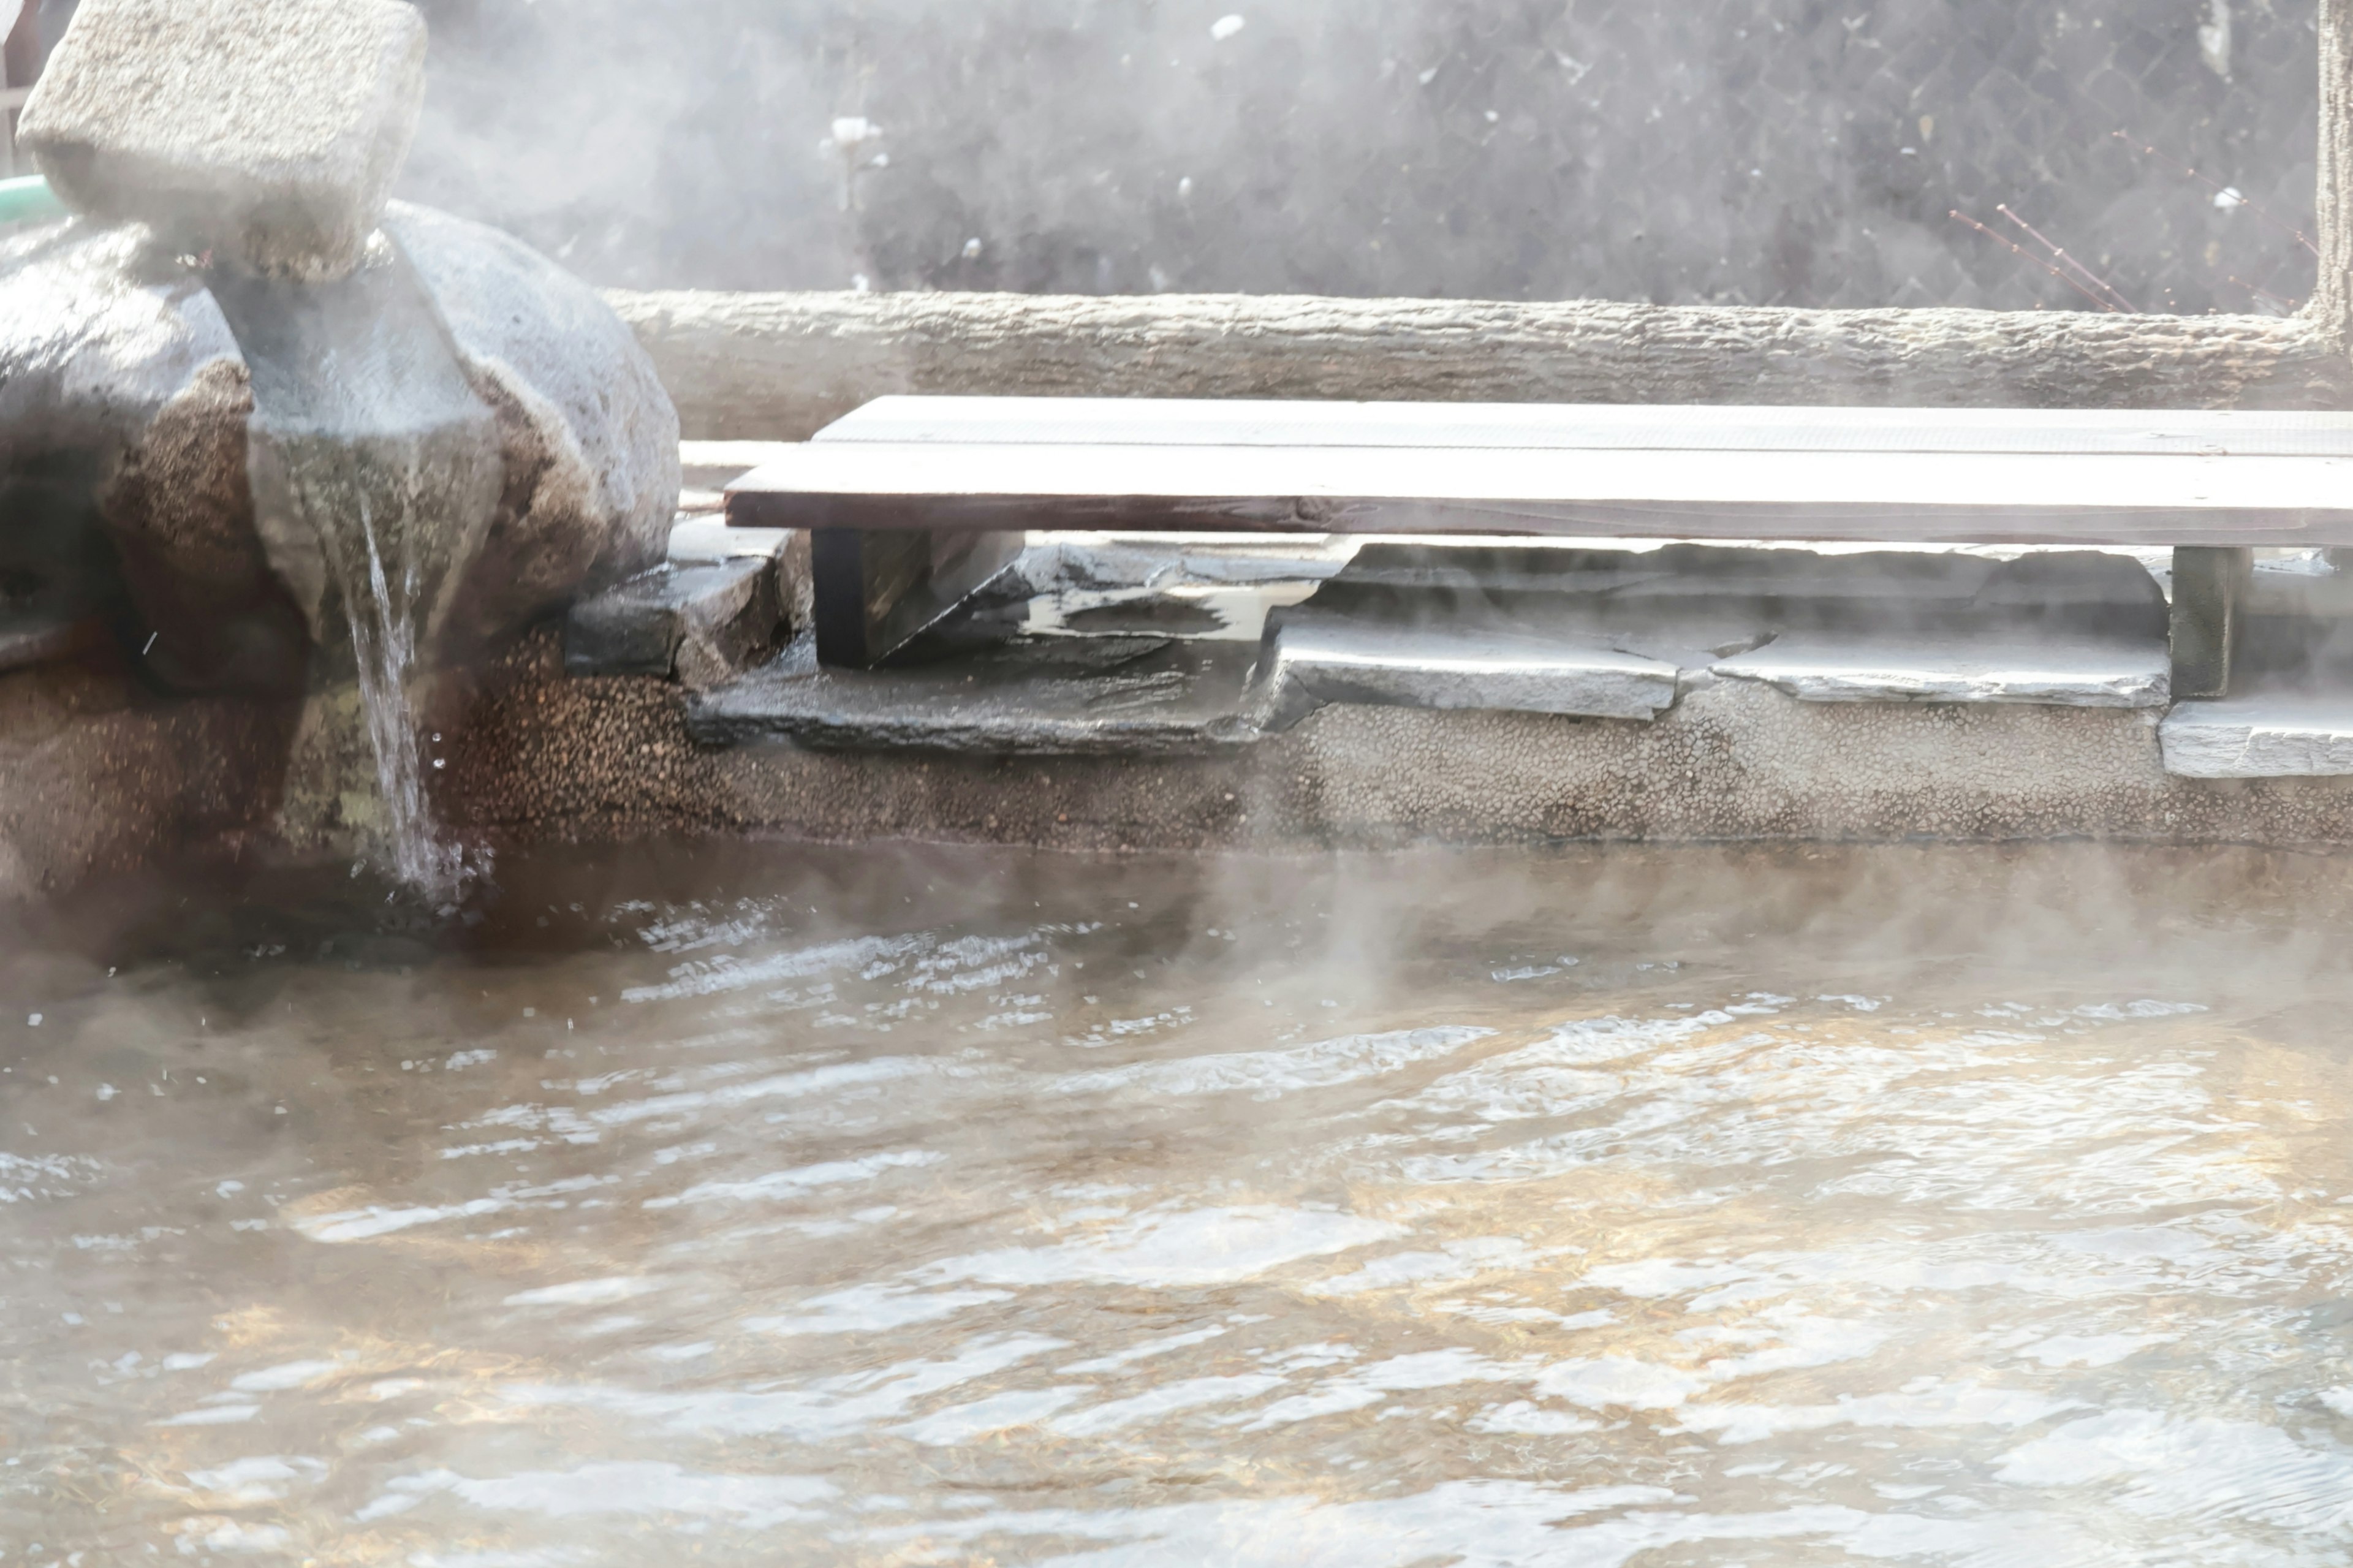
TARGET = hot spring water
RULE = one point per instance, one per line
(1959, 1207)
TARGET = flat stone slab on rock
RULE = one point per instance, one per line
(2280, 733)
(1994, 664)
(702, 622)
(269, 132)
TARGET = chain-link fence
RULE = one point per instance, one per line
(1761, 152)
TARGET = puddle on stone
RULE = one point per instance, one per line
(1961, 1206)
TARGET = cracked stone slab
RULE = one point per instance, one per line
(704, 623)
(2261, 735)
(269, 132)
(1032, 697)
(709, 542)
(1994, 664)
(1313, 660)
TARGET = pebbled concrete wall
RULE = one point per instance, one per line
(100, 776)
(539, 758)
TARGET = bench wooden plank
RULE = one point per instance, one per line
(1175, 422)
(1949, 498)
(925, 471)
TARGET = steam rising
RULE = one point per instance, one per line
(1763, 152)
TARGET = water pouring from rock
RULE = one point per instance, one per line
(374, 466)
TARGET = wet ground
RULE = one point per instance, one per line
(1602, 1208)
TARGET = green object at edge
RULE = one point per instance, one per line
(28, 200)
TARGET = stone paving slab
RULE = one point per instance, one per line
(1126, 695)
(1994, 664)
(2275, 733)
(1322, 659)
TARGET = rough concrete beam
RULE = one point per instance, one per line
(537, 758)
(2331, 310)
(778, 367)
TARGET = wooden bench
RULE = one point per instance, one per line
(914, 501)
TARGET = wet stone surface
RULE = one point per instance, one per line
(1603, 1207)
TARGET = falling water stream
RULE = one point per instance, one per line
(338, 492)
(374, 467)
(1616, 1206)
(383, 622)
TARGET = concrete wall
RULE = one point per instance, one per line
(542, 759)
(97, 775)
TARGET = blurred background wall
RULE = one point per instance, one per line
(1740, 151)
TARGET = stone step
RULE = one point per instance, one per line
(2280, 733)
(1032, 697)
(2019, 665)
(1318, 658)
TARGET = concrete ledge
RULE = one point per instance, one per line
(537, 758)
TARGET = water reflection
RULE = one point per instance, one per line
(1962, 1208)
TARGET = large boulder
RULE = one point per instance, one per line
(118, 367)
(590, 437)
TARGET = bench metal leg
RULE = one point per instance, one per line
(877, 590)
(2209, 590)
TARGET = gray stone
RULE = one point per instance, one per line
(1993, 663)
(2281, 733)
(26, 641)
(1196, 585)
(1313, 658)
(707, 541)
(1037, 697)
(268, 131)
(563, 762)
(590, 437)
(117, 366)
(703, 624)
(1114, 562)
